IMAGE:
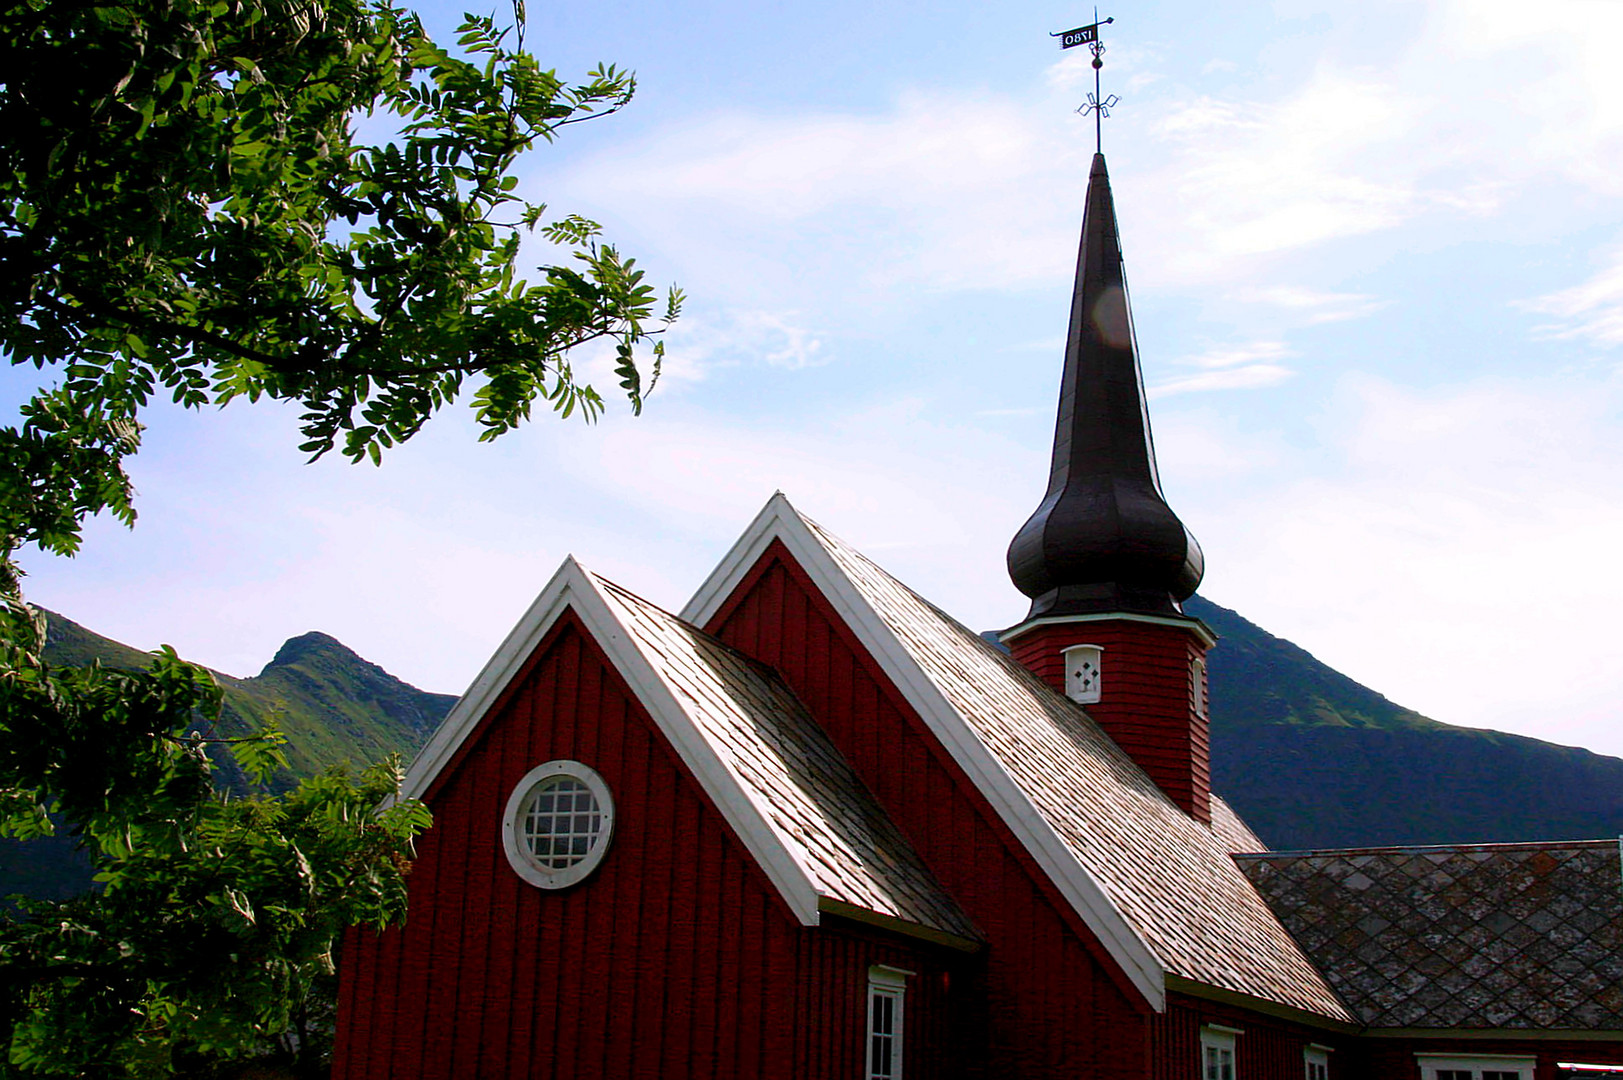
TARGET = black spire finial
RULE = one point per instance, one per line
(1104, 539)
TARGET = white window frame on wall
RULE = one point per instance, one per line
(523, 864)
(1316, 1062)
(1431, 1065)
(1217, 1050)
(887, 992)
(1197, 687)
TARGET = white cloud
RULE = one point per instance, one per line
(1247, 377)
(1592, 310)
(937, 190)
(1236, 355)
(960, 189)
(1234, 367)
(703, 341)
(1312, 305)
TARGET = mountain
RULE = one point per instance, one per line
(332, 705)
(1308, 757)
(1311, 758)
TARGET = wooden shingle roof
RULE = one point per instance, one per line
(1171, 878)
(783, 788)
(783, 760)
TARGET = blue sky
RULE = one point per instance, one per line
(1376, 253)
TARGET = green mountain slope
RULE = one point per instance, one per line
(1311, 758)
(332, 705)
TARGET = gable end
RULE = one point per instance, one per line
(779, 522)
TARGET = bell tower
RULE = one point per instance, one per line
(1103, 558)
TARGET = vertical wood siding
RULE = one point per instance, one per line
(1147, 702)
(1054, 1005)
(675, 959)
(1267, 1048)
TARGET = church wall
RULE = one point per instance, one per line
(1388, 1058)
(1267, 1048)
(1055, 1005)
(675, 958)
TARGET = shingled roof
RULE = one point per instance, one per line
(781, 757)
(1481, 936)
(767, 766)
(1172, 878)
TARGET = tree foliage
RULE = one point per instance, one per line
(215, 915)
(189, 209)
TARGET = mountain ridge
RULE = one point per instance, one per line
(333, 706)
(1313, 759)
(1310, 757)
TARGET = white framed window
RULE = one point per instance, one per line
(557, 824)
(887, 993)
(1083, 673)
(1217, 1052)
(1316, 1062)
(1475, 1067)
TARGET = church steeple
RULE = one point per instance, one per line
(1104, 539)
(1104, 559)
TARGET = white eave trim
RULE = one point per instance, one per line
(778, 520)
(1200, 630)
(572, 587)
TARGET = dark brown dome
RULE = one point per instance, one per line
(1104, 538)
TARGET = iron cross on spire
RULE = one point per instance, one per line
(1098, 104)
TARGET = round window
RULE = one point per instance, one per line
(558, 823)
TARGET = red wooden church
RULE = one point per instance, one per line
(812, 827)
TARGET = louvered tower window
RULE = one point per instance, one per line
(1083, 677)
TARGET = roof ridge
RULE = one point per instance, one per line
(783, 760)
(709, 638)
(1063, 763)
(1423, 849)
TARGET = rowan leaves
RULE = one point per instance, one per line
(187, 208)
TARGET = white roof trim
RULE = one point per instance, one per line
(572, 587)
(1183, 622)
(778, 520)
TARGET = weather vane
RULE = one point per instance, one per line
(1098, 104)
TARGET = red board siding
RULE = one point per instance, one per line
(674, 959)
(1055, 1005)
(1266, 1048)
(1148, 701)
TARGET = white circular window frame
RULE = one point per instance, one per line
(525, 866)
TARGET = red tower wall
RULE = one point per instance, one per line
(1056, 1005)
(675, 958)
(1149, 701)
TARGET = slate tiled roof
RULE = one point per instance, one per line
(1171, 877)
(784, 761)
(1515, 936)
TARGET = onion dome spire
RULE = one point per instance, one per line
(1103, 539)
